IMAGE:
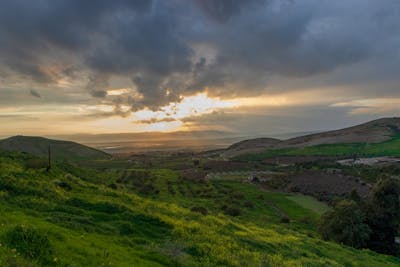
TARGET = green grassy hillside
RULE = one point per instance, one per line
(60, 150)
(387, 148)
(155, 217)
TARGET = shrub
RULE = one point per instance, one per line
(126, 228)
(68, 176)
(170, 188)
(293, 188)
(249, 204)
(345, 224)
(147, 189)
(383, 216)
(355, 196)
(306, 220)
(63, 185)
(201, 210)
(36, 164)
(181, 190)
(237, 195)
(104, 207)
(232, 211)
(285, 219)
(113, 186)
(30, 242)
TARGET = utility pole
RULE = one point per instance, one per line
(49, 163)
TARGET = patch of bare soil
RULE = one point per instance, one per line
(324, 186)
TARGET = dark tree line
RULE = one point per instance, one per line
(371, 223)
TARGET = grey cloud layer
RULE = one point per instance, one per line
(156, 44)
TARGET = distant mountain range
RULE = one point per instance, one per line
(60, 150)
(376, 131)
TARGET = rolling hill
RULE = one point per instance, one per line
(373, 133)
(60, 150)
(73, 216)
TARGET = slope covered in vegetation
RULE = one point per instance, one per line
(72, 216)
(60, 150)
(386, 148)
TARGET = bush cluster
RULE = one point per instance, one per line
(369, 224)
(232, 211)
(200, 210)
(36, 164)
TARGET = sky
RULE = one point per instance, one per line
(255, 67)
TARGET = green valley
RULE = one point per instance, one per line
(82, 216)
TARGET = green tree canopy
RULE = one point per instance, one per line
(384, 215)
(345, 224)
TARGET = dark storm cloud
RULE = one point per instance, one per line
(155, 44)
(34, 31)
(222, 10)
(298, 39)
(97, 85)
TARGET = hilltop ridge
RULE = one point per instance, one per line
(60, 149)
(375, 131)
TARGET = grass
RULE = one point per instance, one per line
(309, 203)
(88, 223)
(387, 148)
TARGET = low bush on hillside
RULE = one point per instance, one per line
(36, 164)
(232, 211)
(306, 220)
(147, 189)
(248, 204)
(372, 224)
(237, 195)
(170, 188)
(345, 224)
(200, 210)
(64, 185)
(285, 219)
(30, 242)
(106, 207)
(113, 186)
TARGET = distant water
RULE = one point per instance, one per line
(179, 141)
(163, 145)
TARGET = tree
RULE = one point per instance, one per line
(355, 196)
(345, 224)
(196, 162)
(383, 216)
